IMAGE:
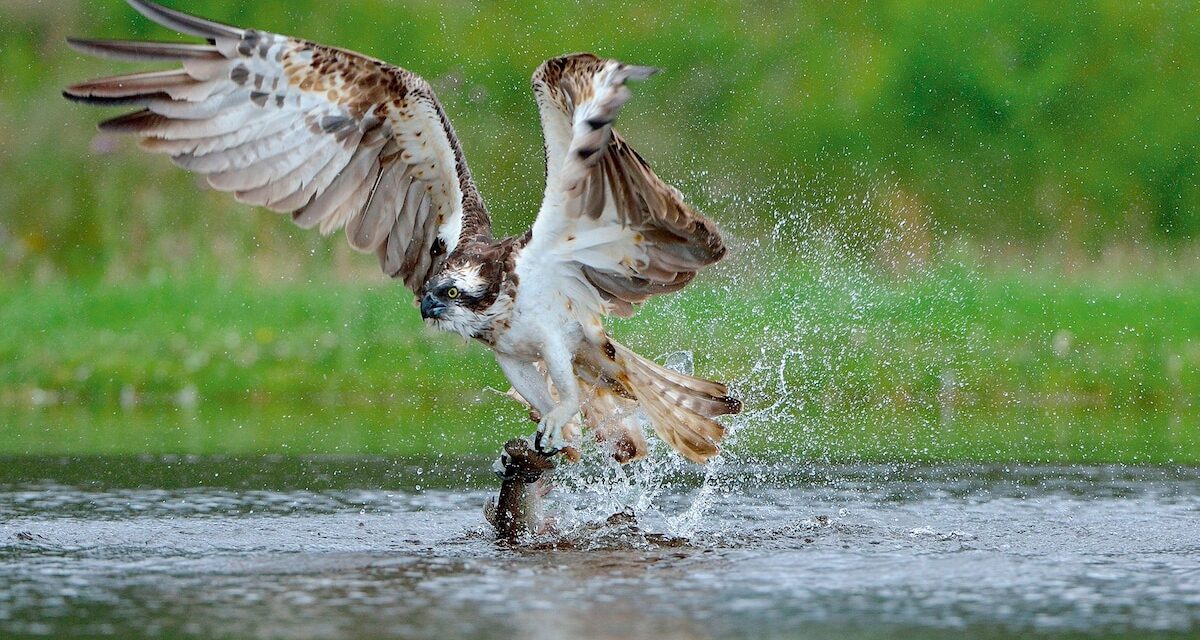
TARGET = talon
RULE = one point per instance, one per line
(543, 447)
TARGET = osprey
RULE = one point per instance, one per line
(341, 140)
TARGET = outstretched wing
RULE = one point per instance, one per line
(630, 234)
(333, 137)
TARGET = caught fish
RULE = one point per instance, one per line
(522, 469)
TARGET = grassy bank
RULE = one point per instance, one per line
(834, 362)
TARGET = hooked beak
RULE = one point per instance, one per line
(431, 307)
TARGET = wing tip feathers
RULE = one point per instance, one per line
(636, 72)
(137, 51)
(185, 22)
(78, 95)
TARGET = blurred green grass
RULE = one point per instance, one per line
(961, 231)
(833, 364)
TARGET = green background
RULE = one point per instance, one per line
(960, 230)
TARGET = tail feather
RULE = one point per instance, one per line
(616, 383)
(681, 408)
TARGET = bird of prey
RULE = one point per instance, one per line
(341, 140)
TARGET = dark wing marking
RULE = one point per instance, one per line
(597, 176)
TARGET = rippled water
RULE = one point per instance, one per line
(358, 547)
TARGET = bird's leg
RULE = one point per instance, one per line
(559, 363)
(531, 384)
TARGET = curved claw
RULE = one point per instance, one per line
(543, 444)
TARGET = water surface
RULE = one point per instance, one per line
(396, 548)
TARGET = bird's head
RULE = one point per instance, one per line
(457, 299)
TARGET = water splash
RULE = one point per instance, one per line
(822, 326)
(595, 489)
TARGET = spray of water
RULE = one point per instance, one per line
(791, 320)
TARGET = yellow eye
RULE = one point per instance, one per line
(452, 293)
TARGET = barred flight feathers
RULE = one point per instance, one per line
(335, 138)
(346, 142)
(605, 210)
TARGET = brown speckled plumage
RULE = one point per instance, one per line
(381, 120)
(340, 140)
(682, 240)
